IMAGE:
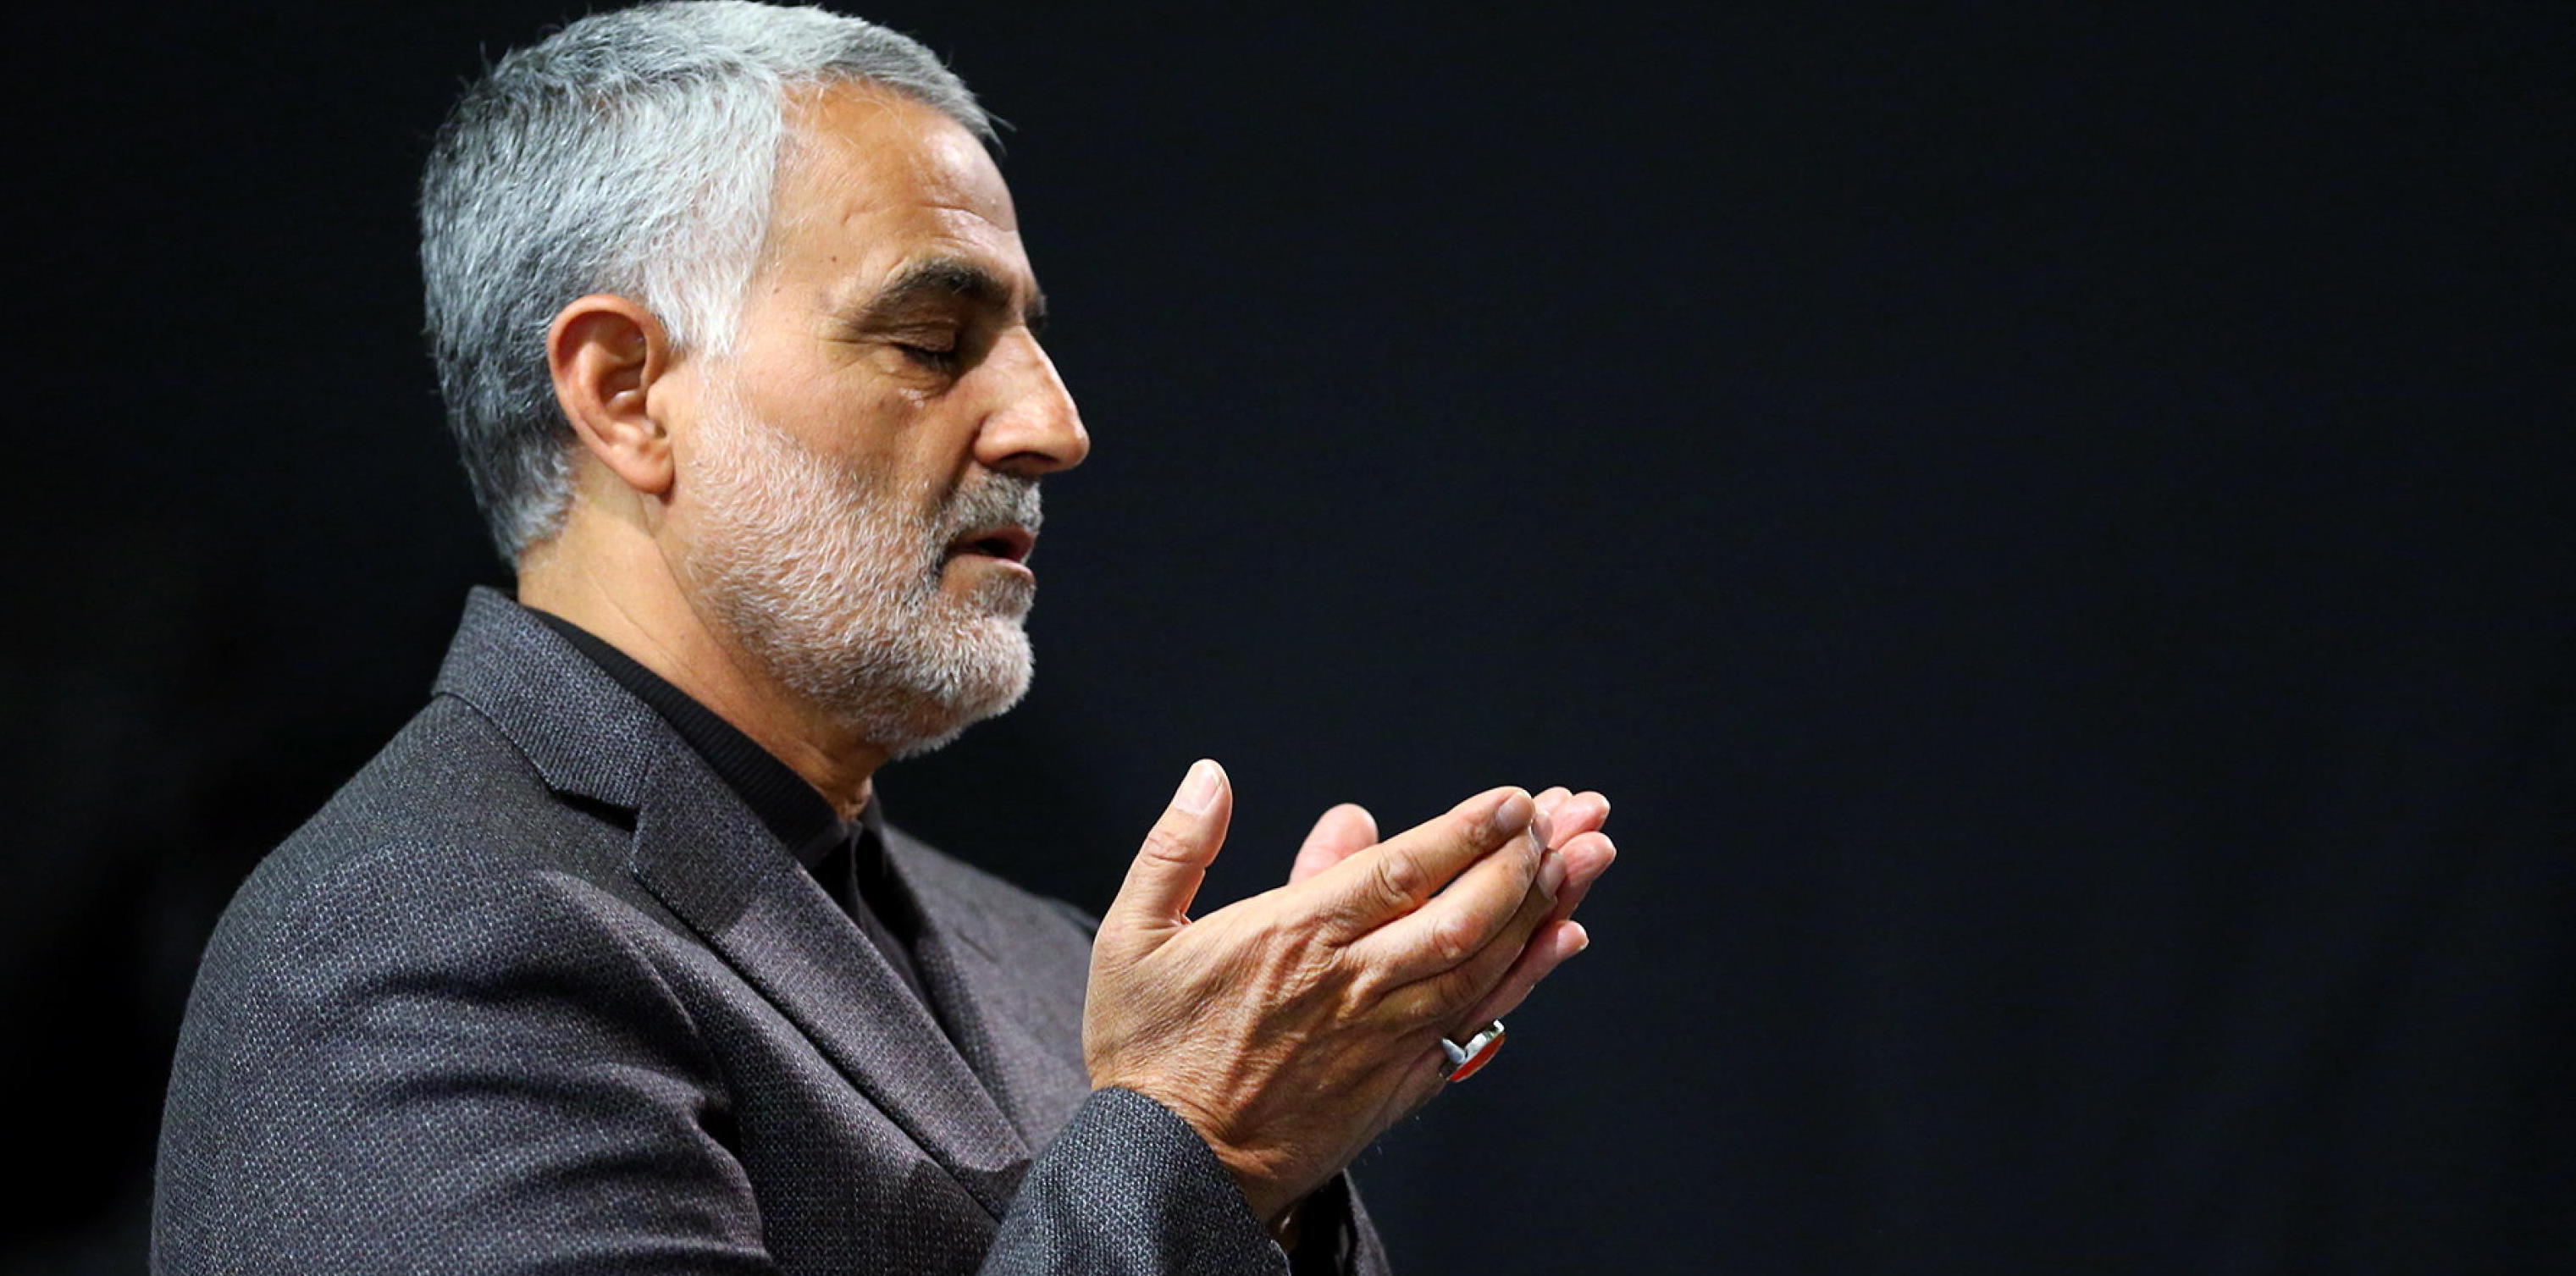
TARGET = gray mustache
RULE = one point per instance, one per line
(1003, 498)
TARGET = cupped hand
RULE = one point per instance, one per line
(1293, 1027)
(1572, 826)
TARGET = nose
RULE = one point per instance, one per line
(1032, 428)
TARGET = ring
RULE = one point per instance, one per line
(1464, 1061)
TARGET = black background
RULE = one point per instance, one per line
(2052, 528)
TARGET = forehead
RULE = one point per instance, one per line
(872, 180)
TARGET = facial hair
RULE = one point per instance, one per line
(831, 580)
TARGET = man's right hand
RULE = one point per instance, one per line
(1291, 1028)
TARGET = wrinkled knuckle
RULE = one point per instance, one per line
(1453, 939)
(1399, 880)
(1347, 919)
(1168, 847)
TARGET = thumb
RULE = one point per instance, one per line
(1153, 904)
(1341, 833)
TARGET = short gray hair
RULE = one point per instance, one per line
(633, 153)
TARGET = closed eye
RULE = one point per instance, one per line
(930, 356)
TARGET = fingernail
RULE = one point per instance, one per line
(1551, 874)
(1582, 937)
(1199, 787)
(1512, 816)
(1542, 826)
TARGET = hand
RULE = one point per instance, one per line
(1291, 1028)
(1573, 822)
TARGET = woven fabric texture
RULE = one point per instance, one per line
(536, 993)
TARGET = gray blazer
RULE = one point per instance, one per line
(535, 992)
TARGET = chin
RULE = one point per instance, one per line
(979, 674)
(923, 737)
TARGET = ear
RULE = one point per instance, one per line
(605, 353)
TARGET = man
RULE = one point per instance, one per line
(607, 963)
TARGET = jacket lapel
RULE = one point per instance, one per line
(710, 861)
(1022, 1038)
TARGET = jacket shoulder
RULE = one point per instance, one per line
(444, 909)
(446, 846)
(455, 795)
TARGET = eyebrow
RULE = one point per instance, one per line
(947, 278)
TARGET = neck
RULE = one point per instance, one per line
(615, 580)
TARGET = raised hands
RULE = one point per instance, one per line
(1291, 1028)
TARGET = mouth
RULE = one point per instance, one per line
(1011, 544)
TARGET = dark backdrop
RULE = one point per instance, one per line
(2053, 529)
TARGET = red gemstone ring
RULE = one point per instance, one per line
(1466, 1060)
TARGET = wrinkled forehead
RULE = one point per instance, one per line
(871, 180)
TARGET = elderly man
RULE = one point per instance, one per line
(607, 963)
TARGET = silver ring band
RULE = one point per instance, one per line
(1464, 1060)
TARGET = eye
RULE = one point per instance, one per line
(942, 359)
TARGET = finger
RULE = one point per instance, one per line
(1437, 997)
(1339, 834)
(1395, 877)
(1550, 948)
(1547, 800)
(1527, 967)
(1587, 857)
(1576, 815)
(1498, 901)
(1153, 904)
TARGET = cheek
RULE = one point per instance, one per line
(923, 470)
(831, 401)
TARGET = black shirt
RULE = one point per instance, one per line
(847, 858)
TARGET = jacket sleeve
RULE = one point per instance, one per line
(1142, 1143)
(388, 1075)
(1129, 1187)
(1124, 1158)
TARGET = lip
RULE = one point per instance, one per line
(1010, 543)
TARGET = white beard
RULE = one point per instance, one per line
(832, 581)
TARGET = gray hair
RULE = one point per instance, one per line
(632, 153)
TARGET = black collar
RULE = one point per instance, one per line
(783, 801)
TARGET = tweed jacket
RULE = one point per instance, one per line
(536, 992)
